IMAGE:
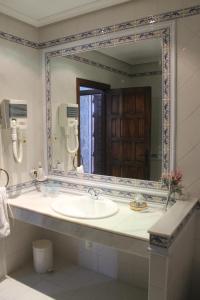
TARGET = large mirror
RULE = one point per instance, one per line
(108, 108)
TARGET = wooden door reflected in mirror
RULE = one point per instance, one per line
(115, 129)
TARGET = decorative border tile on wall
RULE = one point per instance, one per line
(21, 187)
(18, 40)
(149, 20)
(168, 16)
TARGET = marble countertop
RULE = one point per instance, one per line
(126, 222)
(173, 218)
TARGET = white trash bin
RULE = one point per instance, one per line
(43, 256)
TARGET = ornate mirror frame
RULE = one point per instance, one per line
(110, 37)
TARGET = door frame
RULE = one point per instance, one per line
(90, 84)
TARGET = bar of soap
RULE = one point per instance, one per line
(138, 206)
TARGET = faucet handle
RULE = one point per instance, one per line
(94, 193)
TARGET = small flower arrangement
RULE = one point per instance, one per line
(172, 181)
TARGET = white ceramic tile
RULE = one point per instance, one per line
(156, 293)
(172, 273)
(187, 58)
(24, 82)
(188, 67)
(197, 225)
(18, 246)
(68, 282)
(10, 289)
(48, 288)
(190, 166)
(35, 295)
(3, 266)
(106, 290)
(133, 269)
(26, 275)
(187, 109)
(21, 236)
(195, 287)
(158, 271)
(65, 246)
(108, 263)
(75, 277)
(88, 259)
(189, 128)
(17, 259)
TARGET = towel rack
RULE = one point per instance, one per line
(7, 176)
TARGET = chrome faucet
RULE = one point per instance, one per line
(94, 193)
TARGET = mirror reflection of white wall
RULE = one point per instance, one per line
(125, 66)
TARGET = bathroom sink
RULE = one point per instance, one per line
(84, 207)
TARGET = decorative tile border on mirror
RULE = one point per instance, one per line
(114, 180)
(165, 36)
(121, 194)
(111, 69)
(158, 197)
(154, 19)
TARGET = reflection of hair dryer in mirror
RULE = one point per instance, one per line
(68, 120)
(14, 117)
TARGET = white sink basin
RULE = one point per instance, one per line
(84, 207)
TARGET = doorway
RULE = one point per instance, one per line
(114, 129)
(92, 125)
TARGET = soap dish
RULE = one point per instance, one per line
(138, 206)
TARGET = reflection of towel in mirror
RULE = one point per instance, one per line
(4, 219)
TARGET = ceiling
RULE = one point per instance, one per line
(43, 12)
(147, 51)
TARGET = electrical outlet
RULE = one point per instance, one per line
(33, 173)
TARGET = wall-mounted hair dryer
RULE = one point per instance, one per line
(14, 117)
(68, 120)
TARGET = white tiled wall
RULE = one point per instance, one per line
(20, 79)
(195, 289)
(188, 108)
(180, 263)
(171, 270)
(100, 258)
(16, 249)
(133, 269)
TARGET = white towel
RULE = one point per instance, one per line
(4, 219)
